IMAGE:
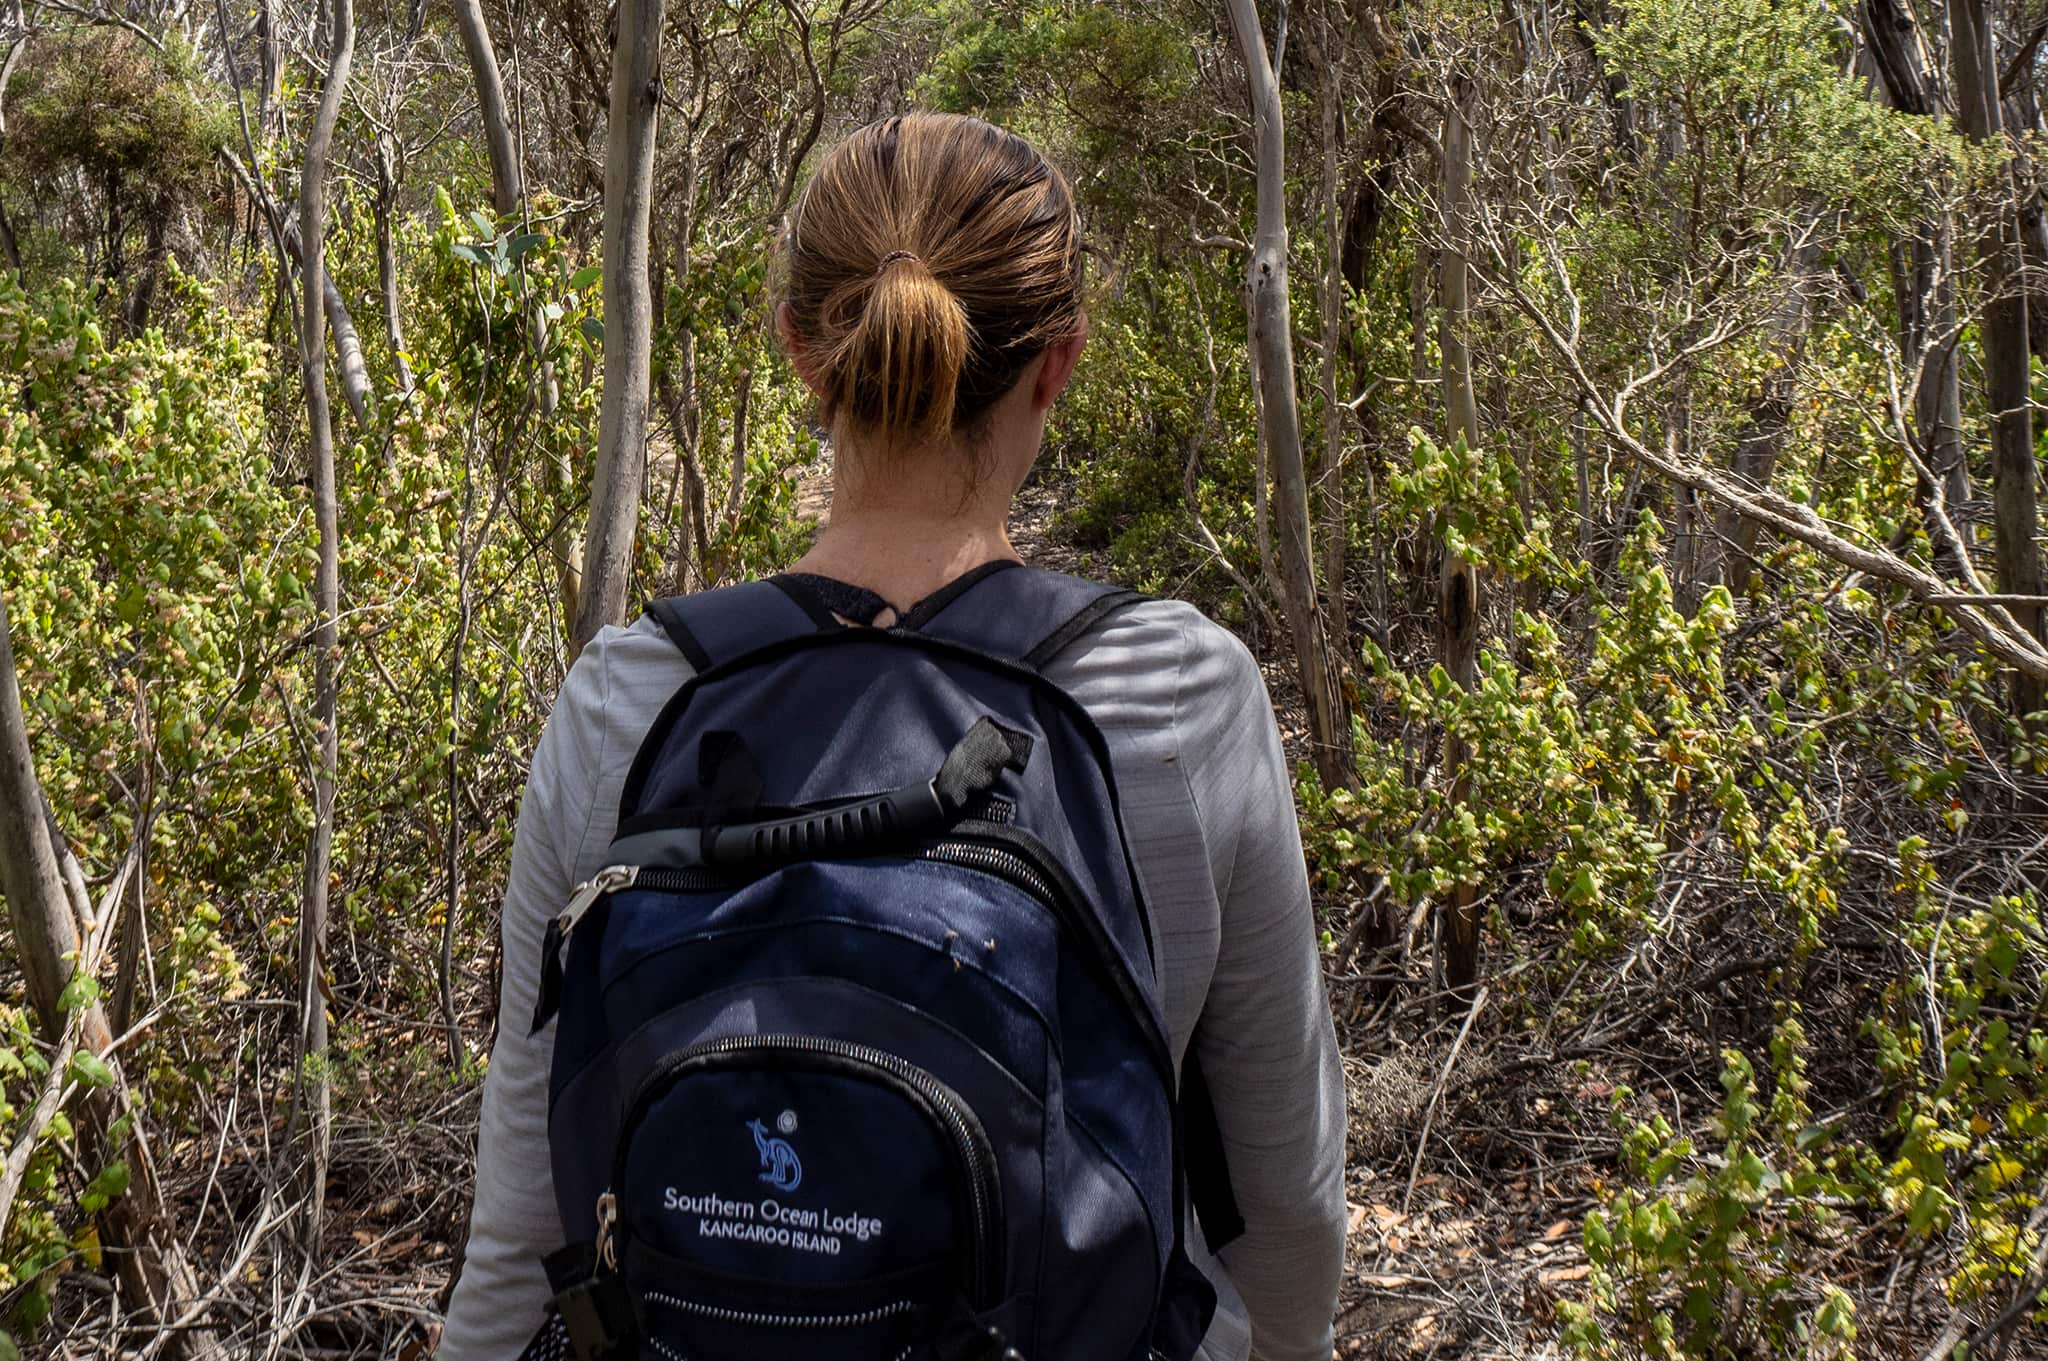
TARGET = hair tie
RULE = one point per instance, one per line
(893, 256)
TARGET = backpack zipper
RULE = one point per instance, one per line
(968, 849)
(748, 1318)
(610, 879)
(1003, 864)
(939, 1102)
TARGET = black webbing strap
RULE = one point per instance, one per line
(1208, 1171)
(1083, 619)
(975, 761)
(1023, 614)
(714, 627)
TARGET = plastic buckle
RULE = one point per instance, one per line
(597, 1315)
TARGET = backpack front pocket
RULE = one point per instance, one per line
(790, 1191)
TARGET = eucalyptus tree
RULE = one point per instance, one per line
(1458, 599)
(2008, 364)
(1280, 417)
(628, 319)
(315, 1093)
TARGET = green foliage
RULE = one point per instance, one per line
(1591, 763)
(1145, 399)
(101, 102)
(1707, 1254)
(1767, 112)
(1964, 1049)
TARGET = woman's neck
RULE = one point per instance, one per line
(903, 553)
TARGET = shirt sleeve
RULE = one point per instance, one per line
(500, 1297)
(1265, 1039)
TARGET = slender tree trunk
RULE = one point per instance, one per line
(314, 1088)
(1458, 586)
(386, 203)
(1335, 527)
(348, 352)
(2007, 362)
(348, 344)
(269, 108)
(628, 318)
(736, 482)
(1923, 277)
(1756, 457)
(508, 184)
(1328, 716)
(1731, 549)
(677, 385)
(157, 1284)
(2023, 121)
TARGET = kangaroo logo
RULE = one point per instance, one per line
(780, 1167)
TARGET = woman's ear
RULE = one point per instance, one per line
(1058, 367)
(794, 345)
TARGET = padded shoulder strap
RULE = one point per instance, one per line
(714, 627)
(1025, 614)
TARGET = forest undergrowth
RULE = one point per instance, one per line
(1614, 429)
(1490, 1133)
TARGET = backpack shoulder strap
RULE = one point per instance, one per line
(713, 627)
(1023, 614)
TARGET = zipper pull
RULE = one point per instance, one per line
(554, 946)
(607, 1216)
(608, 880)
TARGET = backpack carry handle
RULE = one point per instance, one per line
(881, 820)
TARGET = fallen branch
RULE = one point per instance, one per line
(1436, 1095)
(47, 1105)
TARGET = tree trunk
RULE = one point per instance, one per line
(1458, 586)
(1923, 279)
(1756, 457)
(1335, 526)
(508, 185)
(314, 1091)
(1328, 717)
(269, 107)
(677, 385)
(348, 352)
(2007, 363)
(1730, 551)
(157, 1284)
(736, 481)
(385, 204)
(628, 319)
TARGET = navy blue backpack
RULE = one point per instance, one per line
(861, 1054)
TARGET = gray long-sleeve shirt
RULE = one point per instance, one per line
(1210, 821)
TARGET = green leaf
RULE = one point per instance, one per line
(109, 1184)
(462, 250)
(586, 276)
(593, 330)
(525, 244)
(91, 1069)
(484, 226)
(79, 993)
(1931, 1201)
